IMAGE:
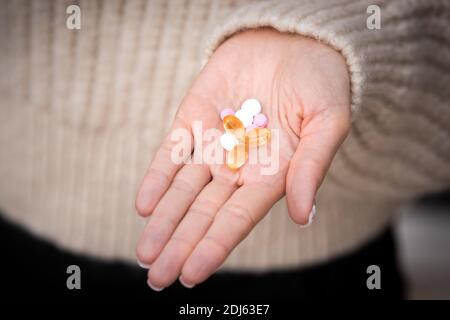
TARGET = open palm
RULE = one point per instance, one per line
(200, 212)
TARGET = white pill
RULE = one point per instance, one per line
(251, 106)
(228, 141)
(245, 117)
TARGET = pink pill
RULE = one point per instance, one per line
(226, 112)
(260, 120)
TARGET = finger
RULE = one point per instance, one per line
(319, 140)
(232, 224)
(163, 167)
(192, 228)
(188, 182)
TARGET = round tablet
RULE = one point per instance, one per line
(245, 117)
(251, 106)
(260, 120)
(228, 141)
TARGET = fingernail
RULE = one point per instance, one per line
(157, 289)
(143, 265)
(312, 214)
(189, 286)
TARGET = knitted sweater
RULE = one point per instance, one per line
(83, 111)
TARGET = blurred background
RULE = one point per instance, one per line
(422, 231)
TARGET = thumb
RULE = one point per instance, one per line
(320, 138)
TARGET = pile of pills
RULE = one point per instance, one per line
(243, 130)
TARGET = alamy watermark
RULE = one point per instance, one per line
(207, 149)
(73, 21)
(373, 21)
(74, 279)
(374, 280)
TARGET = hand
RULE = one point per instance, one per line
(200, 212)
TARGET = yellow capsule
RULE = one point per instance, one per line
(232, 124)
(257, 137)
(237, 157)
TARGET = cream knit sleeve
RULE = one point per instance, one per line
(399, 145)
(413, 32)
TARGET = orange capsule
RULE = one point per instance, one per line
(237, 157)
(232, 124)
(257, 137)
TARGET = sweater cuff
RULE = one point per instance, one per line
(332, 23)
(341, 24)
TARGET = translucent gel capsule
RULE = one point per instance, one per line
(226, 112)
(237, 157)
(233, 125)
(257, 137)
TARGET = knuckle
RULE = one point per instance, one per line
(240, 213)
(157, 175)
(159, 228)
(178, 241)
(221, 246)
(183, 185)
(168, 144)
(205, 205)
(162, 222)
(223, 176)
(200, 213)
(341, 125)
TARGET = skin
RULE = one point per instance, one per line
(200, 212)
